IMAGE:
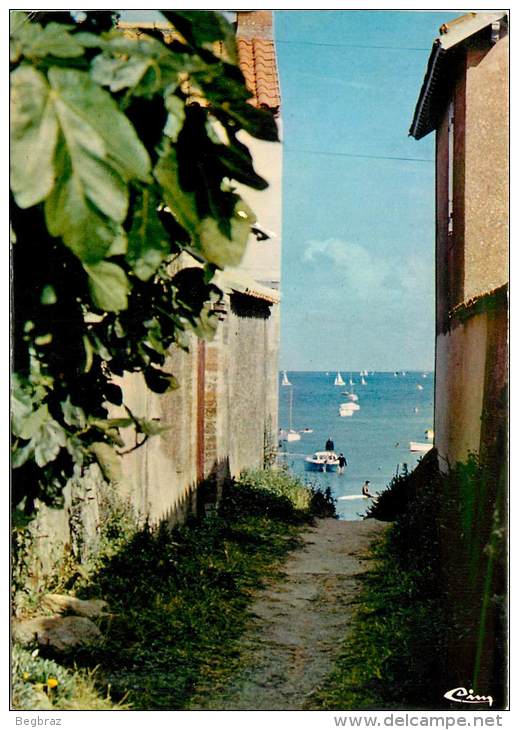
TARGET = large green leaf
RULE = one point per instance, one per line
(144, 65)
(71, 214)
(148, 242)
(21, 405)
(159, 381)
(92, 119)
(55, 39)
(45, 436)
(181, 203)
(176, 116)
(203, 28)
(259, 123)
(109, 286)
(119, 73)
(34, 132)
(108, 460)
(223, 251)
(98, 152)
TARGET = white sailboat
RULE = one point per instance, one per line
(362, 381)
(338, 379)
(351, 380)
(291, 434)
(285, 380)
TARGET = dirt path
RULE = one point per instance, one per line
(301, 620)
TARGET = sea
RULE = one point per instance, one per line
(395, 408)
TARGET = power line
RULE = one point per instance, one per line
(364, 157)
(348, 45)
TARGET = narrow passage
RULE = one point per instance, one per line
(301, 620)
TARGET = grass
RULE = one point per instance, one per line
(43, 684)
(179, 596)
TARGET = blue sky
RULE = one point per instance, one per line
(358, 233)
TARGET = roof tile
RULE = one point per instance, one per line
(258, 65)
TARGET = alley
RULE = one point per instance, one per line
(300, 621)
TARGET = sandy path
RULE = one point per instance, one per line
(301, 620)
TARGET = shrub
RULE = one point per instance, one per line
(43, 684)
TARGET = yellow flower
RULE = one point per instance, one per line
(52, 682)
(26, 675)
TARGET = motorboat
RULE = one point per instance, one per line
(417, 446)
(345, 413)
(349, 407)
(429, 433)
(419, 387)
(322, 461)
(306, 430)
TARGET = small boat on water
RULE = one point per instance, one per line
(346, 408)
(429, 433)
(417, 446)
(289, 434)
(419, 387)
(306, 430)
(285, 380)
(322, 461)
(362, 381)
(338, 380)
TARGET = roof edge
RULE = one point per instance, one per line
(451, 36)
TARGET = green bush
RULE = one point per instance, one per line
(306, 498)
(43, 684)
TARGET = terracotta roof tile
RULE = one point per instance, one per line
(258, 65)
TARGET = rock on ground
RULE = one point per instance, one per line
(58, 632)
(69, 604)
(301, 620)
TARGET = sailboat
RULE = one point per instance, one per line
(290, 435)
(362, 381)
(351, 380)
(285, 380)
(338, 379)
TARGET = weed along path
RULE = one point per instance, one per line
(300, 620)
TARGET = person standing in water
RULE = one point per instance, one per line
(329, 444)
(342, 463)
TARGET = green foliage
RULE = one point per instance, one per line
(123, 156)
(43, 684)
(304, 498)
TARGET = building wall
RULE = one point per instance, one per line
(472, 261)
(486, 163)
(160, 476)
